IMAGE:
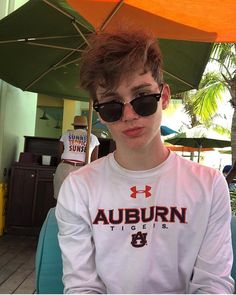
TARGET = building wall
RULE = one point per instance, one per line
(46, 128)
(17, 111)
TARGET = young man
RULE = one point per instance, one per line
(142, 219)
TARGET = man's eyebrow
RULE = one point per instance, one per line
(141, 86)
(108, 93)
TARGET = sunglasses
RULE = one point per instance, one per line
(143, 105)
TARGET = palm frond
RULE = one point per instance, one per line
(205, 103)
(221, 130)
(225, 55)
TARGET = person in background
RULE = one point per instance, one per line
(226, 169)
(230, 173)
(73, 151)
(141, 219)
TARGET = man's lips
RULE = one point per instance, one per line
(133, 132)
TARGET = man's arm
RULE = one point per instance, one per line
(94, 155)
(211, 273)
(76, 242)
(61, 148)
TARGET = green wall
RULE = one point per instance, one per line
(17, 111)
(46, 128)
(18, 119)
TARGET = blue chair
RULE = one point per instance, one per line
(48, 258)
(49, 262)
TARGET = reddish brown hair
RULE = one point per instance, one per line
(113, 55)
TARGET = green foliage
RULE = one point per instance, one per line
(187, 98)
(205, 100)
(225, 55)
(233, 201)
(202, 105)
(221, 130)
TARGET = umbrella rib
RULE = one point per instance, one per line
(54, 46)
(27, 39)
(177, 78)
(81, 34)
(67, 14)
(53, 37)
(65, 64)
(111, 15)
(35, 80)
(74, 21)
(51, 68)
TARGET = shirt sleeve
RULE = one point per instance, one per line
(94, 140)
(212, 270)
(76, 241)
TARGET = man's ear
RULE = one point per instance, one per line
(165, 96)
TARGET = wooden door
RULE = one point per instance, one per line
(21, 197)
(44, 199)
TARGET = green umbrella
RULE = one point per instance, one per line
(42, 41)
(199, 137)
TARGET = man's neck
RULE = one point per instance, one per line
(142, 159)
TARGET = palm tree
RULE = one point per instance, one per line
(202, 105)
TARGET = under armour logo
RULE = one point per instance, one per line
(146, 191)
(139, 239)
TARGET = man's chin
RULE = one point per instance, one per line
(136, 144)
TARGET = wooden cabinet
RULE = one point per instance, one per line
(31, 184)
(43, 195)
(30, 197)
(43, 146)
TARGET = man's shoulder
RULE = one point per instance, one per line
(99, 162)
(195, 167)
(97, 166)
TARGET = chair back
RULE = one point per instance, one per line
(48, 258)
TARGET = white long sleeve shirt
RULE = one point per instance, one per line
(164, 230)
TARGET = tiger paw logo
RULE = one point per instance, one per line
(139, 239)
(145, 192)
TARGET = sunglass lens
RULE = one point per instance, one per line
(111, 112)
(145, 105)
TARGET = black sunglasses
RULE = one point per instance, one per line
(143, 105)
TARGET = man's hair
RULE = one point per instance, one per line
(110, 56)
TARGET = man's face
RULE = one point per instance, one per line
(133, 131)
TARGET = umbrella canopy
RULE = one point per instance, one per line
(165, 130)
(199, 137)
(42, 41)
(212, 20)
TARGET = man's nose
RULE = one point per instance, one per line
(129, 113)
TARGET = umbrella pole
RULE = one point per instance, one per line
(90, 118)
(199, 151)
